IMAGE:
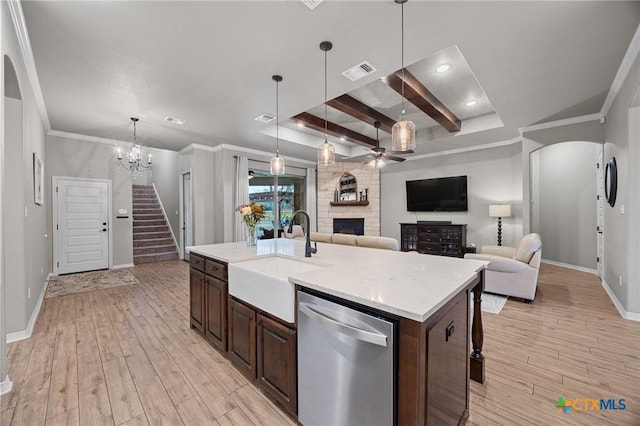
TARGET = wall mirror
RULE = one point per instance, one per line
(611, 181)
(347, 187)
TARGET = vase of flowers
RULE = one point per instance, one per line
(251, 214)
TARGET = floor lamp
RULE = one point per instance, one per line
(500, 211)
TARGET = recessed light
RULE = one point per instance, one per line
(443, 68)
(300, 124)
(342, 138)
(470, 102)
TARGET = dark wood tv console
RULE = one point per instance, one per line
(438, 239)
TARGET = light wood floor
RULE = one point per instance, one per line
(127, 356)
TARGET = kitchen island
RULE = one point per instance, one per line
(244, 301)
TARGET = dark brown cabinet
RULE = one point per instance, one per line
(263, 348)
(242, 337)
(216, 318)
(196, 292)
(208, 299)
(447, 356)
(277, 361)
(438, 239)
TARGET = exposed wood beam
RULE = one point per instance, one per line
(317, 123)
(422, 98)
(362, 112)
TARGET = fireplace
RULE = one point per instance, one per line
(348, 226)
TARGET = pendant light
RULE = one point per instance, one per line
(277, 162)
(326, 151)
(403, 133)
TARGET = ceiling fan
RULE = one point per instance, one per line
(379, 154)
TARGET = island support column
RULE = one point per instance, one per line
(477, 335)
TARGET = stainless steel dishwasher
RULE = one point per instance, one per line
(346, 365)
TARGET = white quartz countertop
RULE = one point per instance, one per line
(410, 285)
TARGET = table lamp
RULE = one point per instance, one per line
(500, 211)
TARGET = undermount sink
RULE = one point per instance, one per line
(264, 283)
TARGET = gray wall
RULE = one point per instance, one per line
(621, 250)
(563, 208)
(26, 245)
(493, 176)
(82, 159)
(166, 177)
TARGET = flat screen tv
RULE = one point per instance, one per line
(447, 194)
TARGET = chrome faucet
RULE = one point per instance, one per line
(308, 250)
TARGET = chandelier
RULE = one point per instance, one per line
(133, 159)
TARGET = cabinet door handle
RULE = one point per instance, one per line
(451, 328)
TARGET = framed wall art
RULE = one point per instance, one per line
(38, 180)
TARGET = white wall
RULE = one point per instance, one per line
(563, 208)
(493, 176)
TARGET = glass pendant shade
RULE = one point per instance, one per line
(403, 136)
(326, 154)
(376, 163)
(277, 165)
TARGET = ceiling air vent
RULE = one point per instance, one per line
(359, 71)
(265, 118)
(311, 4)
(173, 120)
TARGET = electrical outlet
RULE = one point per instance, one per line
(41, 270)
(622, 209)
(620, 278)
(28, 292)
(26, 211)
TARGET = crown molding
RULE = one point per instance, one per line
(220, 147)
(15, 8)
(469, 149)
(85, 138)
(560, 123)
(623, 71)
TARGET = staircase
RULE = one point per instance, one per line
(152, 240)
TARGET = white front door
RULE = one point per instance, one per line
(600, 212)
(82, 225)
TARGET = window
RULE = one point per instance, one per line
(291, 197)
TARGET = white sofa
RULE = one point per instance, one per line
(356, 240)
(513, 271)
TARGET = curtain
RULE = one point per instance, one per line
(312, 195)
(241, 195)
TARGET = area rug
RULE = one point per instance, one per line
(88, 281)
(491, 303)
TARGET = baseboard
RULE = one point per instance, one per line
(25, 334)
(6, 385)
(570, 266)
(623, 312)
(124, 265)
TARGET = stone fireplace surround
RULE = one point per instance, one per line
(327, 183)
